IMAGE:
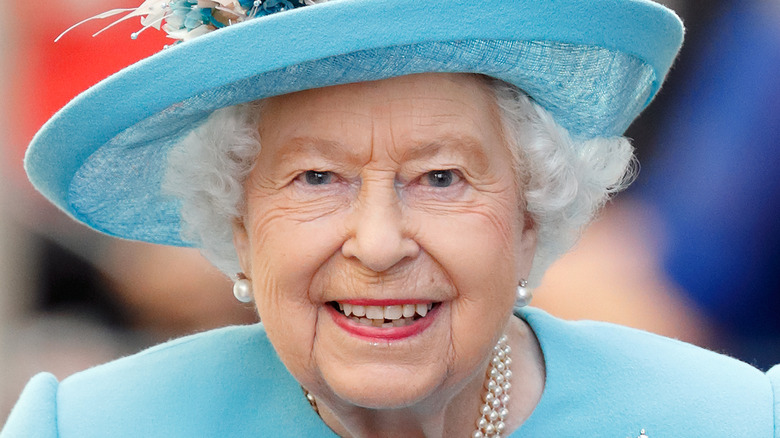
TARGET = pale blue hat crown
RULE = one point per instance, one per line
(593, 64)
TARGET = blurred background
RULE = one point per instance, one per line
(691, 250)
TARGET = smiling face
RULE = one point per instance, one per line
(384, 237)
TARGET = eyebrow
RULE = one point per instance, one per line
(466, 147)
(328, 149)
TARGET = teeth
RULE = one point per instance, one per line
(385, 316)
(375, 312)
(393, 312)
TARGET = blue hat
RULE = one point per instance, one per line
(593, 64)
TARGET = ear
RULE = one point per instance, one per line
(243, 245)
(526, 247)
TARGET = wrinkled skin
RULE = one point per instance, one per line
(379, 222)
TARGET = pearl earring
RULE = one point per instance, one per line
(242, 289)
(524, 295)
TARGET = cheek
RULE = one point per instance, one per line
(288, 244)
(478, 239)
(476, 248)
(286, 254)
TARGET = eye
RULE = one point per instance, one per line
(316, 178)
(440, 178)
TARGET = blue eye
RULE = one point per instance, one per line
(440, 178)
(315, 178)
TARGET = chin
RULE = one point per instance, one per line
(383, 388)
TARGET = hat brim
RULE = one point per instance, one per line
(593, 64)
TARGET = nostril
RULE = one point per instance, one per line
(379, 253)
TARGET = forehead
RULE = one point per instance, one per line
(403, 114)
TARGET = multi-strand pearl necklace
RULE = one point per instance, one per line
(496, 399)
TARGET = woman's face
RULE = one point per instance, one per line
(387, 200)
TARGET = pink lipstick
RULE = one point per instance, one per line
(375, 327)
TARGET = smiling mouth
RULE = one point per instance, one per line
(400, 315)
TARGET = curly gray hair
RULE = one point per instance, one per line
(565, 180)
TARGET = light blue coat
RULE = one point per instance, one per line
(602, 381)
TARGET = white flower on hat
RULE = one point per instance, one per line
(155, 16)
(187, 19)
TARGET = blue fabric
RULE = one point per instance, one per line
(224, 383)
(35, 415)
(593, 64)
(609, 381)
(774, 377)
(602, 381)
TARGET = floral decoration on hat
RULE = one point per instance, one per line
(183, 20)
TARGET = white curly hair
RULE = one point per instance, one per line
(565, 181)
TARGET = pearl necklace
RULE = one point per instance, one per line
(496, 398)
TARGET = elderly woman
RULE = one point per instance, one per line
(391, 179)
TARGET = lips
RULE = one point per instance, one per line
(396, 315)
(383, 320)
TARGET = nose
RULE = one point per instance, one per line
(379, 237)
